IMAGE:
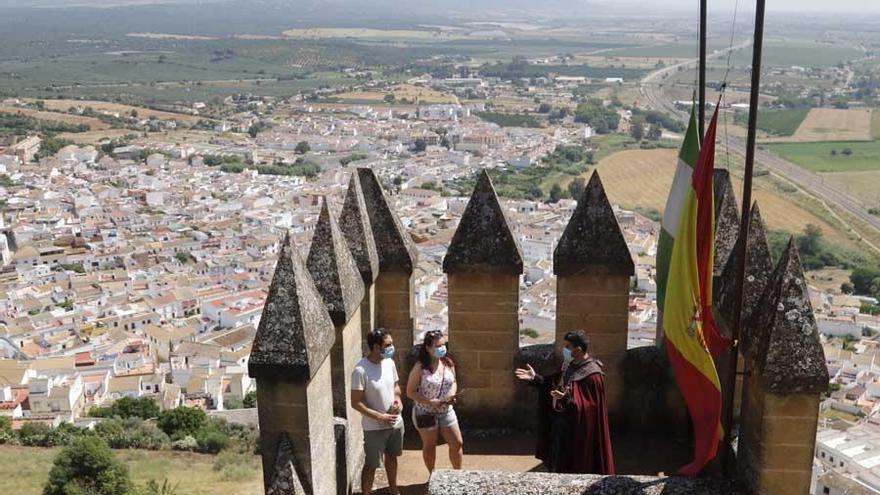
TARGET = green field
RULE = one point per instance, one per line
(875, 124)
(831, 156)
(777, 122)
(24, 471)
(799, 53)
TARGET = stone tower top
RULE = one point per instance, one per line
(789, 352)
(759, 271)
(726, 220)
(592, 241)
(354, 222)
(483, 242)
(333, 269)
(295, 332)
(285, 479)
(393, 244)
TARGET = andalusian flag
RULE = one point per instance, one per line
(681, 184)
(687, 310)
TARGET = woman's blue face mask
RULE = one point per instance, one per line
(440, 352)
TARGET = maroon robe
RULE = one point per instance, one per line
(577, 439)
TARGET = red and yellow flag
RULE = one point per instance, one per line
(687, 310)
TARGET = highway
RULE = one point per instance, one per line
(652, 91)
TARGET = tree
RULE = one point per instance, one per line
(388, 98)
(576, 187)
(654, 132)
(847, 288)
(302, 147)
(420, 145)
(555, 193)
(545, 108)
(250, 399)
(88, 467)
(810, 242)
(862, 277)
(182, 421)
(637, 131)
(143, 407)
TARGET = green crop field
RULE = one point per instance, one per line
(799, 53)
(875, 124)
(777, 122)
(832, 156)
(24, 471)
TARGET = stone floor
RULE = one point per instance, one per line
(633, 454)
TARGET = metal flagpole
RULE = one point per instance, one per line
(743, 232)
(701, 111)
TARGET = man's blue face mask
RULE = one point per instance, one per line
(388, 352)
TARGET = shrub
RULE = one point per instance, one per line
(88, 467)
(186, 443)
(35, 434)
(64, 434)
(234, 466)
(211, 441)
(182, 421)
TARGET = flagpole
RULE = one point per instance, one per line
(743, 232)
(701, 112)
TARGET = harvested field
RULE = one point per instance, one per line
(93, 123)
(403, 91)
(832, 124)
(642, 178)
(103, 106)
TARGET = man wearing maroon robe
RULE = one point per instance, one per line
(573, 433)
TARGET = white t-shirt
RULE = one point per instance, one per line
(378, 383)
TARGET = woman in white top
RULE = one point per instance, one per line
(432, 386)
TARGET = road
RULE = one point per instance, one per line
(652, 90)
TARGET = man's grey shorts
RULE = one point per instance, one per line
(378, 443)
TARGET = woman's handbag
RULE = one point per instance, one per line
(430, 420)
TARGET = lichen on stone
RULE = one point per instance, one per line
(727, 219)
(295, 333)
(285, 479)
(483, 241)
(592, 241)
(354, 222)
(333, 269)
(393, 244)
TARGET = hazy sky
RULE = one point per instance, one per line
(847, 6)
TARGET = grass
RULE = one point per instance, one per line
(509, 119)
(24, 471)
(799, 53)
(818, 157)
(777, 122)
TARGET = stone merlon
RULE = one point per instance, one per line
(501, 483)
(295, 332)
(789, 352)
(393, 244)
(354, 222)
(726, 220)
(333, 269)
(759, 269)
(483, 242)
(285, 479)
(592, 241)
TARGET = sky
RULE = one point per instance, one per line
(811, 6)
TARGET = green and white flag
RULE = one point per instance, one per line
(681, 184)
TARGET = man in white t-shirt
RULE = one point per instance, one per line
(375, 393)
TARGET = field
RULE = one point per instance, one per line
(401, 92)
(366, 33)
(831, 156)
(642, 178)
(777, 122)
(864, 185)
(93, 123)
(787, 53)
(831, 124)
(24, 471)
(103, 106)
(875, 125)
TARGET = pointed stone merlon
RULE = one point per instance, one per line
(759, 270)
(339, 283)
(285, 480)
(782, 393)
(289, 360)
(354, 222)
(593, 266)
(727, 219)
(483, 265)
(393, 288)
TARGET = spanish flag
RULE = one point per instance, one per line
(687, 308)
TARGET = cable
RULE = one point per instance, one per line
(732, 35)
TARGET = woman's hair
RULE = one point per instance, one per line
(376, 337)
(579, 339)
(425, 358)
